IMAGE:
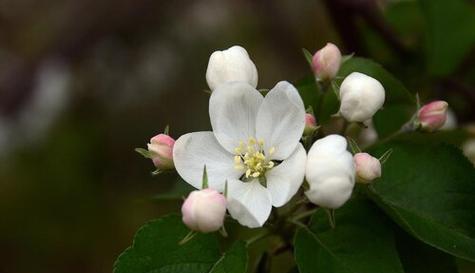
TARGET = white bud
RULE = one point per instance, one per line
(204, 210)
(368, 168)
(230, 65)
(330, 172)
(361, 97)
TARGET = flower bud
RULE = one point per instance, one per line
(326, 62)
(330, 172)
(204, 210)
(161, 150)
(368, 168)
(361, 97)
(310, 124)
(432, 116)
(229, 65)
(468, 149)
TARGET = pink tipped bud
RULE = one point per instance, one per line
(204, 210)
(326, 62)
(310, 124)
(161, 148)
(368, 168)
(432, 116)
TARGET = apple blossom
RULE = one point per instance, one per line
(229, 65)
(254, 146)
(326, 62)
(204, 210)
(361, 97)
(310, 124)
(330, 172)
(368, 168)
(161, 151)
(432, 116)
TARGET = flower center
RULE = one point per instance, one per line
(251, 157)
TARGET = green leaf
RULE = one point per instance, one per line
(399, 104)
(450, 33)
(427, 259)
(233, 261)
(145, 153)
(309, 91)
(362, 242)
(429, 190)
(156, 249)
(308, 56)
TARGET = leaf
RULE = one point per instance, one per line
(233, 261)
(427, 260)
(155, 249)
(145, 153)
(308, 56)
(309, 91)
(362, 242)
(450, 33)
(429, 190)
(399, 104)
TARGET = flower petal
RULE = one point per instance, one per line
(232, 110)
(195, 150)
(281, 120)
(284, 180)
(248, 202)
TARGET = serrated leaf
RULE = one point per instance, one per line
(362, 242)
(155, 249)
(429, 190)
(233, 261)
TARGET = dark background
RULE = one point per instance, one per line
(82, 83)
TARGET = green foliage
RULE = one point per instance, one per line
(450, 33)
(233, 261)
(429, 190)
(361, 242)
(156, 248)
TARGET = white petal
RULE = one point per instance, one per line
(281, 120)
(232, 110)
(248, 202)
(284, 180)
(195, 150)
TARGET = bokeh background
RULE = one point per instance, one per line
(82, 83)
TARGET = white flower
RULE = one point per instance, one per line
(330, 172)
(229, 65)
(361, 97)
(254, 146)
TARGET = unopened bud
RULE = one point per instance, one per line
(330, 172)
(432, 116)
(230, 65)
(326, 62)
(361, 97)
(310, 124)
(161, 151)
(204, 210)
(368, 168)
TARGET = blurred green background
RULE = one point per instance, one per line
(82, 83)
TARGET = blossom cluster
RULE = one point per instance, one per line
(255, 157)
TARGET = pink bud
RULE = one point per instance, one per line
(432, 116)
(310, 124)
(368, 168)
(204, 210)
(161, 148)
(326, 62)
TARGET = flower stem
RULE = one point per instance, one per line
(304, 214)
(258, 237)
